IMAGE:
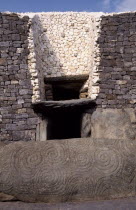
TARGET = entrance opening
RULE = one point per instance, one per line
(66, 101)
(58, 89)
(66, 90)
(65, 119)
(66, 125)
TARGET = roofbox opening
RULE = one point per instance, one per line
(65, 88)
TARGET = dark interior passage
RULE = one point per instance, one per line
(64, 90)
(66, 119)
(64, 126)
(64, 93)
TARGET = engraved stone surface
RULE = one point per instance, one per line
(68, 170)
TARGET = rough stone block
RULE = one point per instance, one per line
(3, 61)
(112, 124)
(68, 170)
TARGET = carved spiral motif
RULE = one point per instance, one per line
(127, 148)
(50, 182)
(6, 166)
(27, 162)
(55, 156)
(72, 185)
(102, 187)
(68, 170)
(83, 161)
(7, 184)
(107, 160)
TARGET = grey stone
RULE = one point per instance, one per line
(121, 204)
(86, 125)
(48, 107)
(23, 91)
(68, 170)
(16, 37)
(3, 61)
(112, 124)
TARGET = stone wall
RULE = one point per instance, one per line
(48, 45)
(114, 72)
(17, 119)
(64, 43)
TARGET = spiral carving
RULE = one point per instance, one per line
(68, 170)
(27, 162)
(107, 160)
(53, 155)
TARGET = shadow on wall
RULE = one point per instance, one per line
(55, 56)
(48, 62)
(46, 59)
(16, 89)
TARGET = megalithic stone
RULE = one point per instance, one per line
(68, 170)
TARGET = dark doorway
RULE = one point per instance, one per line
(66, 119)
(66, 90)
(66, 125)
(63, 88)
(65, 93)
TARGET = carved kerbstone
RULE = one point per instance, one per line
(68, 170)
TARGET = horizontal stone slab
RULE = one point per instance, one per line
(76, 105)
(66, 78)
(68, 170)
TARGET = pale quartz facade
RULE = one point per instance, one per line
(50, 45)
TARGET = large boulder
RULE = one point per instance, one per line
(68, 170)
(113, 124)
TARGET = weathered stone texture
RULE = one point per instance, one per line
(15, 80)
(64, 43)
(55, 45)
(114, 72)
(68, 170)
(121, 204)
(113, 124)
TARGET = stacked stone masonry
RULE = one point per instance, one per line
(64, 43)
(114, 73)
(17, 119)
(48, 45)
